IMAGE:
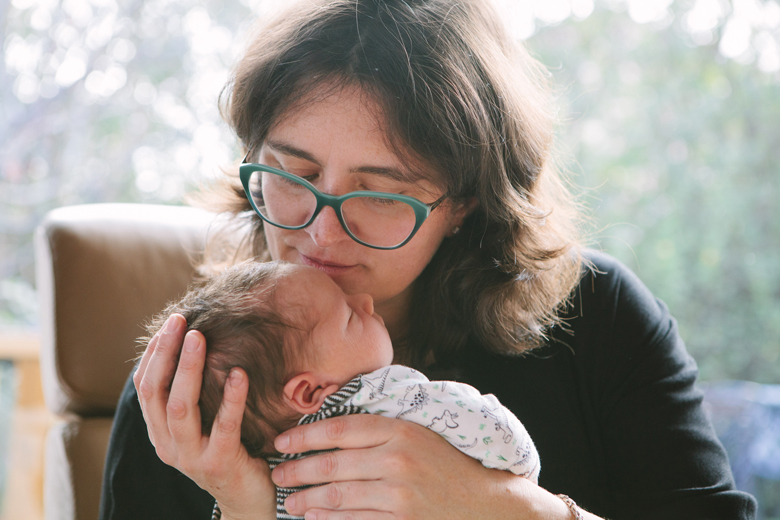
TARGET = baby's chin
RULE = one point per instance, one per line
(387, 361)
(377, 361)
(378, 367)
(389, 354)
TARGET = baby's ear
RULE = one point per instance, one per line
(305, 394)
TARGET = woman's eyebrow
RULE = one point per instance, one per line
(291, 150)
(396, 174)
(392, 173)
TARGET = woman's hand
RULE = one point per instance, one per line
(218, 463)
(390, 468)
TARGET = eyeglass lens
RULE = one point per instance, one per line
(376, 221)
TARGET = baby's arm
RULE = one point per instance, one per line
(478, 425)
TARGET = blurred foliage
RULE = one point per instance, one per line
(105, 100)
(668, 128)
(678, 148)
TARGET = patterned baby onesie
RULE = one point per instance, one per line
(478, 425)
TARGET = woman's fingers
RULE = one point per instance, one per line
(343, 496)
(158, 370)
(155, 380)
(182, 408)
(226, 432)
(342, 465)
(139, 372)
(362, 439)
(351, 431)
(323, 514)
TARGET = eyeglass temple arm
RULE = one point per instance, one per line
(435, 204)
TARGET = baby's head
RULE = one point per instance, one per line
(295, 333)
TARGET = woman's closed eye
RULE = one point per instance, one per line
(309, 176)
(303, 171)
(292, 183)
(382, 201)
(395, 188)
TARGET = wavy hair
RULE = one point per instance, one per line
(458, 94)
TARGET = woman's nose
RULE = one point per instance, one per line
(326, 229)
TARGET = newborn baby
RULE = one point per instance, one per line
(311, 352)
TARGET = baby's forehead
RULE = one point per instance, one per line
(304, 282)
(295, 301)
(291, 287)
(295, 305)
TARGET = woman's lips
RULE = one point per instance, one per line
(329, 268)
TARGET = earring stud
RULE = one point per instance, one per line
(456, 230)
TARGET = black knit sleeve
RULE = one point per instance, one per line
(662, 457)
(136, 483)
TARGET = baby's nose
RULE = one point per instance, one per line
(365, 302)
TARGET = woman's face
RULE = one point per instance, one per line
(338, 143)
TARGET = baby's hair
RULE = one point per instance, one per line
(236, 314)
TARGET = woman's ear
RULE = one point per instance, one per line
(459, 214)
(305, 393)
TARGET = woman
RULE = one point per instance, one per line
(431, 100)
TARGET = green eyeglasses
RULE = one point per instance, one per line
(372, 218)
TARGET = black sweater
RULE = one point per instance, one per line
(609, 402)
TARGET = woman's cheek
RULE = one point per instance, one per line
(273, 241)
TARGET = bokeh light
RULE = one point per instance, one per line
(108, 101)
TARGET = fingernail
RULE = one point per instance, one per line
(191, 342)
(171, 325)
(235, 377)
(289, 504)
(282, 442)
(278, 476)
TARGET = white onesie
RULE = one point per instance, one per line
(478, 425)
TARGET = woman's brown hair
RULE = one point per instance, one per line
(459, 95)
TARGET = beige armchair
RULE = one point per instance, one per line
(101, 270)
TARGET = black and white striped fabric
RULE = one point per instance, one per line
(333, 406)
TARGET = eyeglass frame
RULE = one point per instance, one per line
(421, 209)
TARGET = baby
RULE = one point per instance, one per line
(311, 352)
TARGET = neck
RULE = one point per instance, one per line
(395, 314)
